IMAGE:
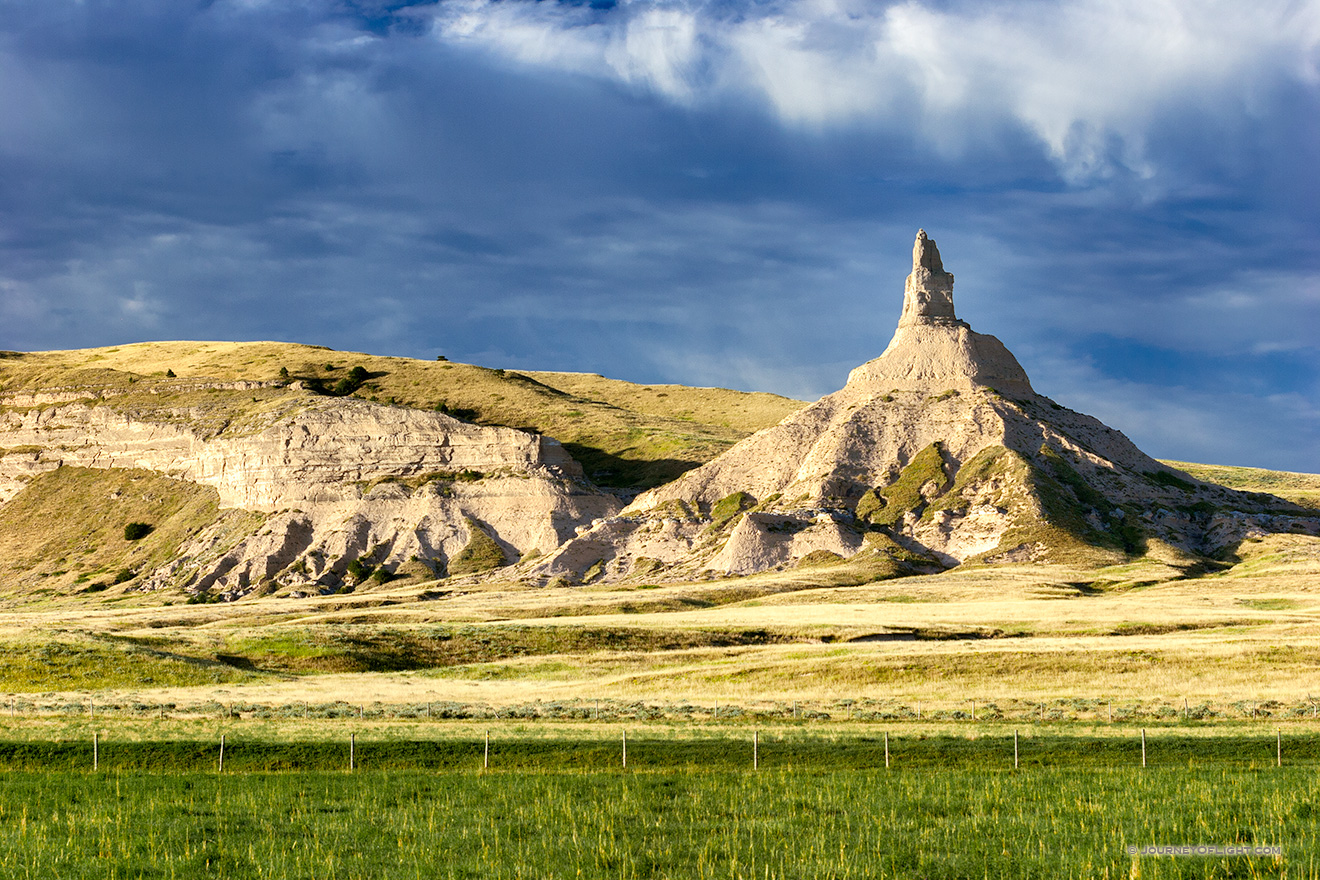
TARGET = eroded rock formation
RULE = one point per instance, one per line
(936, 452)
(928, 293)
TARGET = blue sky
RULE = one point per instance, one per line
(719, 193)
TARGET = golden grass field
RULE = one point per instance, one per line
(1139, 635)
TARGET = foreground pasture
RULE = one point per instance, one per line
(959, 821)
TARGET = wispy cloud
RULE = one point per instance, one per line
(1086, 77)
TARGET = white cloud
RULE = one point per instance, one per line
(1088, 77)
(653, 46)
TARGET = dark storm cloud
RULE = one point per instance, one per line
(708, 192)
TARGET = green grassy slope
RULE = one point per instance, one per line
(65, 532)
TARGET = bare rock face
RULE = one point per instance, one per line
(937, 381)
(932, 351)
(938, 451)
(392, 527)
(320, 453)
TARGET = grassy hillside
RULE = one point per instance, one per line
(66, 532)
(625, 435)
(1301, 488)
(1018, 635)
(1159, 640)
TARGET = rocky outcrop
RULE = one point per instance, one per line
(937, 452)
(320, 453)
(393, 528)
(936, 382)
(928, 293)
(939, 446)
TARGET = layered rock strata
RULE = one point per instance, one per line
(321, 453)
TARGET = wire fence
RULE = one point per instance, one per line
(1099, 711)
(623, 751)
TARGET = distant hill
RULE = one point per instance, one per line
(1304, 489)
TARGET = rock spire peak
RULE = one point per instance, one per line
(928, 294)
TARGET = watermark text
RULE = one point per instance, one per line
(1201, 849)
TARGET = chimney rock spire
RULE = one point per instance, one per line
(928, 294)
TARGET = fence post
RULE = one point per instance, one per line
(973, 710)
(1278, 748)
(886, 750)
(756, 750)
(96, 751)
(625, 749)
(352, 747)
(1015, 751)
(1143, 747)
(222, 753)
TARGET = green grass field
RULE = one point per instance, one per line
(947, 822)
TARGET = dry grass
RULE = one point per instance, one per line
(65, 533)
(1144, 630)
(1138, 632)
(1301, 488)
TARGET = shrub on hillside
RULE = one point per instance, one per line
(359, 571)
(136, 531)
